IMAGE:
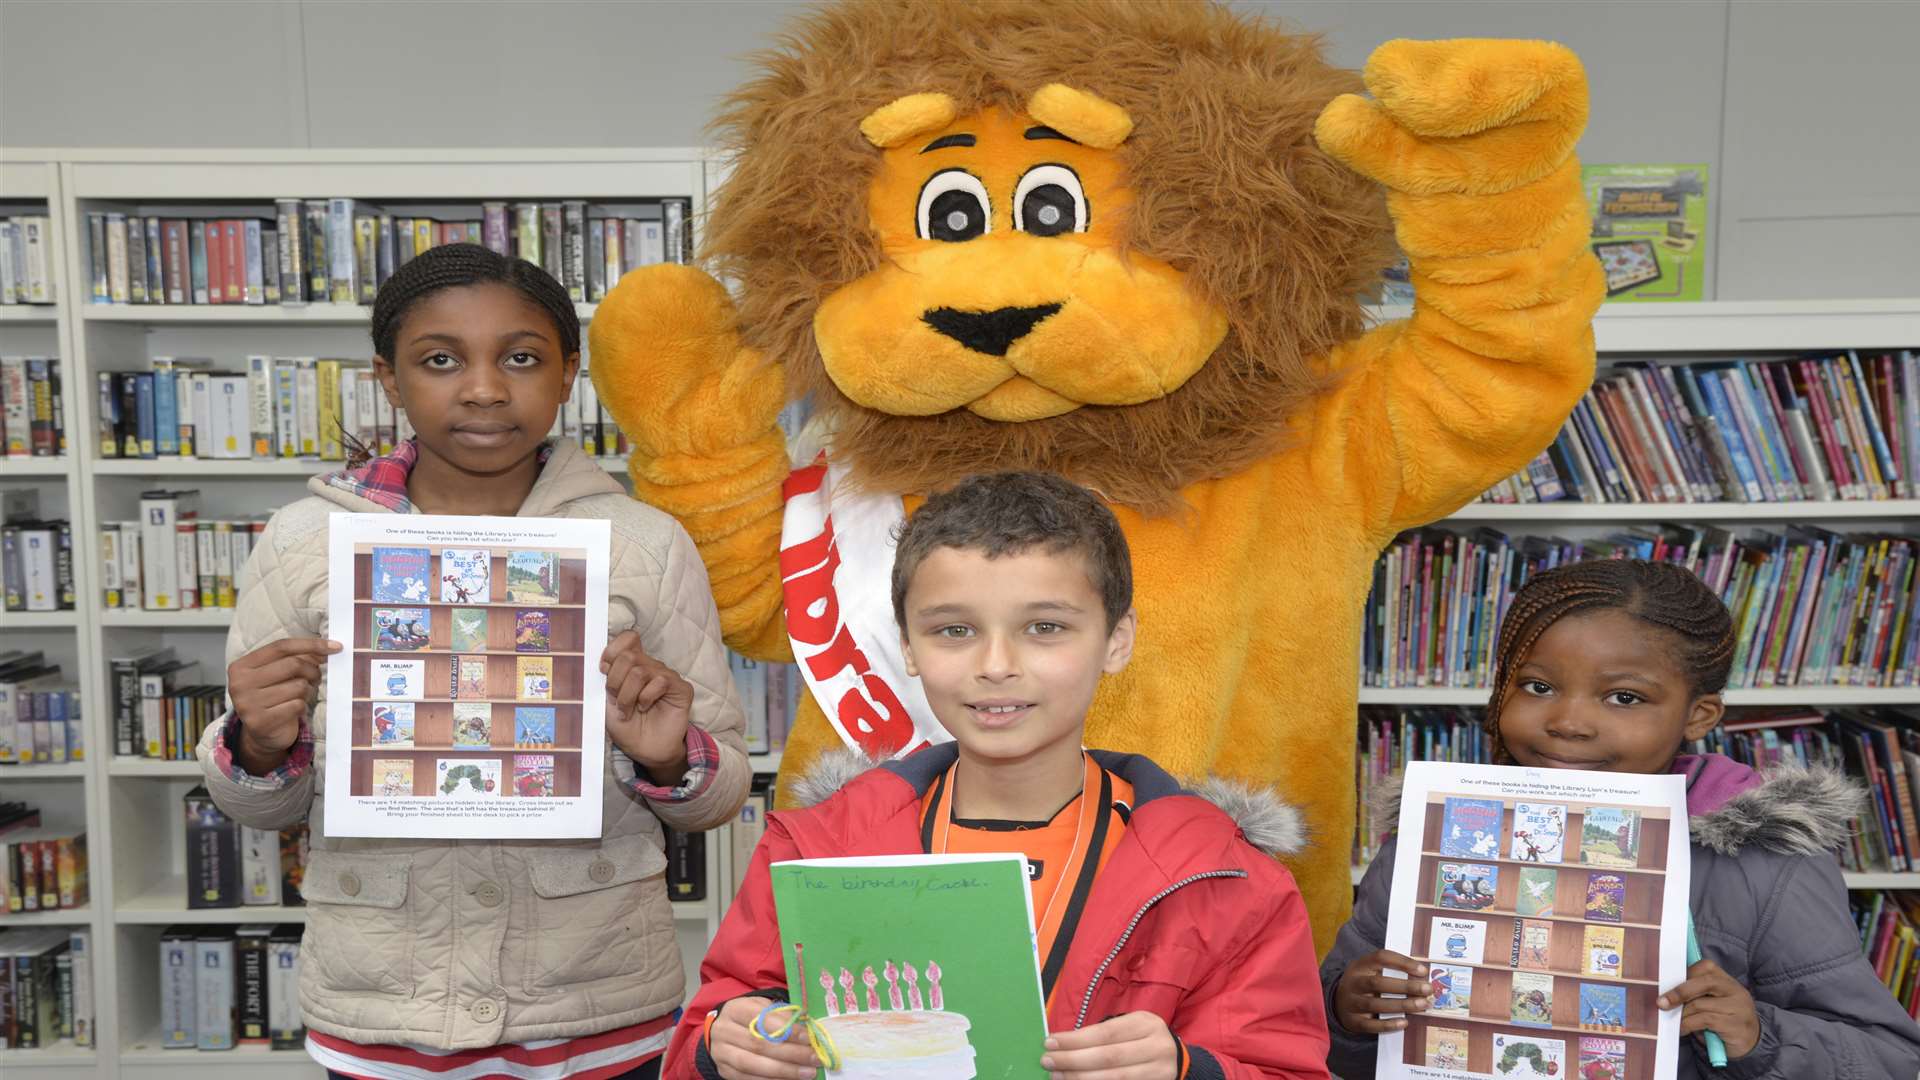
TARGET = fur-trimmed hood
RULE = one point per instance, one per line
(1793, 810)
(1266, 821)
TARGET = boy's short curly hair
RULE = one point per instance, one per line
(1010, 513)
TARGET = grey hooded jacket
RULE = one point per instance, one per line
(1769, 906)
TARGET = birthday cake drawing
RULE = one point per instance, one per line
(900, 1032)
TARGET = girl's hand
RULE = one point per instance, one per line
(1359, 994)
(648, 706)
(740, 1056)
(1136, 1046)
(271, 688)
(1712, 1001)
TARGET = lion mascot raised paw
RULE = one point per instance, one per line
(1127, 241)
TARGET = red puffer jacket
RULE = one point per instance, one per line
(1187, 920)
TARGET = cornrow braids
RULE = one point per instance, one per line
(453, 265)
(1662, 594)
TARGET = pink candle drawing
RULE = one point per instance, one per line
(847, 1000)
(893, 987)
(872, 980)
(913, 988)
(826, 983)
(933, 986)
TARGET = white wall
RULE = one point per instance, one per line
(1799, 106)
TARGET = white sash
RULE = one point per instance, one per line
(836, 569)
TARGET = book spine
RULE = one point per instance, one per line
(186, 554)
(552, 241)
(596, 260)
(526, 232)
(254, 286)
(137, 259)
(110, 593)
(156, 277)
(343, 265)
(575, 229)
(290, 255)
(233, 270)
(286, 409)
(306, 392)
(132, 565)
(384, 253)
(198, 286)
(166, 410)
(11, 290)
(260, 394)
(178, 254)
(327, 379)
(494, 227)
(97, 258)
(366, 270)
(119, 276)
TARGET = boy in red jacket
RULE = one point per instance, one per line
(1170, 948)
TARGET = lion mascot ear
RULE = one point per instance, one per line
(1127, 243)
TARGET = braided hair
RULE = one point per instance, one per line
(452, 265)
(1661, 594)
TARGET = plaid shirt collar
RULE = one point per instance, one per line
(383, 480)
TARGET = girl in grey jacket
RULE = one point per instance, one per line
(1614, 665)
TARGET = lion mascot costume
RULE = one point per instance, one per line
(1126, 241)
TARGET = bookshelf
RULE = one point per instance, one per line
(131, 808)
(1695, 332)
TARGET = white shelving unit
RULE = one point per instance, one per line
(31, 182)
(131, 808)
(1688, 332)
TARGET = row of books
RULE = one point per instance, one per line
(283, 407)
(342, 250)
(234, 865)
(1878, 747)
(770, 697)
(32, 421)
(171, 559)
(158, 711)
(225, 986)
(1829, 427)
(1600, 1057)
(40, 721)
(36, 565)
(43, 870)
(1889, 925)
(46, 987)
(1811, 607)
(26, 260)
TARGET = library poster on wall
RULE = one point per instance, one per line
(1550, 907)
(1649, 230)
(468, 701)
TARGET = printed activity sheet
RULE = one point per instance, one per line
(468, 702)
(1550, 907)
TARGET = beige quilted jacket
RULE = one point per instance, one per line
(461, 944)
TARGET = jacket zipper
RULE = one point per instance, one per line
(1132, 924)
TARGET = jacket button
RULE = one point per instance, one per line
(601, 871)
(488, 894)
(485, 1012)
(350, 884)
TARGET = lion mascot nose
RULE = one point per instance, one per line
(991, 332)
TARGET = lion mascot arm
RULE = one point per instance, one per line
(1474, 142)
(701, 410)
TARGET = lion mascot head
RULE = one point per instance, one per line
(1091, 237)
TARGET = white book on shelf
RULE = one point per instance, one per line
(132, 565)
(260, 406)
(160, 558)
(306, 396)
(186, 554)
(39, 283)
(110, 581)
(11, 289)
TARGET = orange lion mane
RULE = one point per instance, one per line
(1229, 185)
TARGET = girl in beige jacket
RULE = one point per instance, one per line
(472, 959)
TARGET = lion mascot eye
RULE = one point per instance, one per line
(954, 207)
(1048, 201)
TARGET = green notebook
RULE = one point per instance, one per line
(916, 965)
